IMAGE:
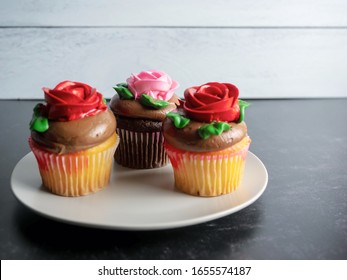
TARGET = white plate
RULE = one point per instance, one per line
(136, 199)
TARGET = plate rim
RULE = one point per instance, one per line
(149, 226)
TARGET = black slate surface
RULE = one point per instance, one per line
(301, 215)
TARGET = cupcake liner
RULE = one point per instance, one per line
(208, 174)
(79, 173)
(141, 150)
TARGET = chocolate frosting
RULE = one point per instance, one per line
(73, 136)
(134, 109)
(188, 139)
(138, 125)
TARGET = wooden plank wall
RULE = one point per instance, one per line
(268, 48)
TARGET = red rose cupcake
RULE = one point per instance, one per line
(73, 139)
(207, 141)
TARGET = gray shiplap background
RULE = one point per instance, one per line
(268, 48)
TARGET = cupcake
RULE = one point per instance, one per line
(73, 139)
(140, 106)
(206, 140)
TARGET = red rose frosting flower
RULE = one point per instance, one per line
(212, 102)
(72, 100)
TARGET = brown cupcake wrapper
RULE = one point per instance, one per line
(140, 150)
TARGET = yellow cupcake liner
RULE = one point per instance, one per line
(79, 173)
(209, 173)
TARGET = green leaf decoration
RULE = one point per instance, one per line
(206, 131)
(38, 122)
(243, 105)
(104, 100)
(149, 101)
(178, 120)
(123, 91)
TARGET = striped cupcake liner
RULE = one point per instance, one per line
(203, 174)
(75, 174)
(141, 150)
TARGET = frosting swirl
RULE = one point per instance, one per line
(134, 109)
(76, 135)
(154, 83)
(210, 119)
(71, 101)
(75, 117)
(188, 139)
(147, 95)
(212, 102)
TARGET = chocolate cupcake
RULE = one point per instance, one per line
(140, 106)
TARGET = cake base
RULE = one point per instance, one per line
(141, 144)
(79, 173)
(209, 173)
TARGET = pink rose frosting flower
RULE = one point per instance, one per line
(154, 83)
